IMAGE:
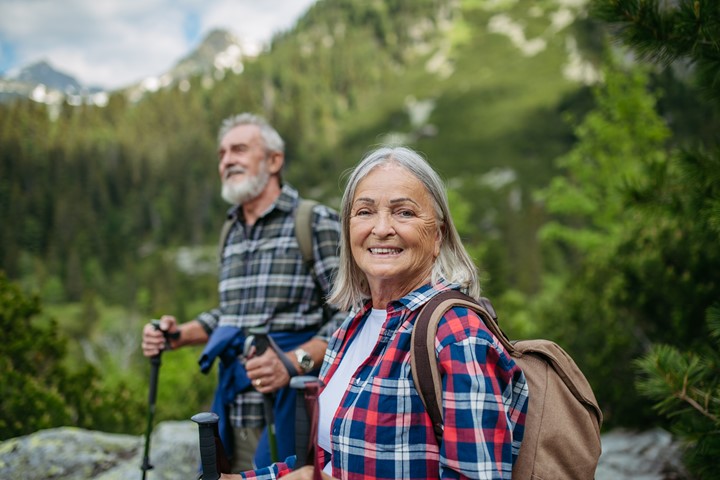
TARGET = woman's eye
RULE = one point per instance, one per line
(406, 213)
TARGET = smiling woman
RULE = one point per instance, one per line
(399, 249)
(395, 233)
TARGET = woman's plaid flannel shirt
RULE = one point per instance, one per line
(381, 429)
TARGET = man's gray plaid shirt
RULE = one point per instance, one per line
(264, 279)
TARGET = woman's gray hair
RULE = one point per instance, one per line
(273, 140)
(453, 263)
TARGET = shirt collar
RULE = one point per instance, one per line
(418, 297)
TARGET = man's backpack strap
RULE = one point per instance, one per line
(423, 364)
(223, 236)
(303, 230)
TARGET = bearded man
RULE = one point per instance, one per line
(265, 283)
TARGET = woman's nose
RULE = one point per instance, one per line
(383, 225)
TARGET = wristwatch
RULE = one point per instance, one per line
(305, 360)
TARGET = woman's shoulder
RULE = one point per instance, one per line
(461, 323)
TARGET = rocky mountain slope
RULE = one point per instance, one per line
(219, 51)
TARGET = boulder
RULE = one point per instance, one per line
(648, 455)
(73, 453)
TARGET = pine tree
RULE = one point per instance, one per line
(665, 32)
(686, 387)
(684, 384)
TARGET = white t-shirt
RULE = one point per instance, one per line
(333, 393)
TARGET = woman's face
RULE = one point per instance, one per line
(394, 234)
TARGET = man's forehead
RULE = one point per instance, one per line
(242, 134)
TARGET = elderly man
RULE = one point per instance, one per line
(264, 283)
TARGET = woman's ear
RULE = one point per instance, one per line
(439, 235)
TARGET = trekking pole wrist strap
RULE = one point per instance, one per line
(292, 371)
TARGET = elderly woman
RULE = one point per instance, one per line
(399, 248)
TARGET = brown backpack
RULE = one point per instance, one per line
(562, 426)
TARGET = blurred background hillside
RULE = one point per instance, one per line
(578, 140)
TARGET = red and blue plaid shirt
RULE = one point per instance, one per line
(381, 429)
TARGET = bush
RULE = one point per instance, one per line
(39, 390)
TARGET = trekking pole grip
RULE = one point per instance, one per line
(208, 456)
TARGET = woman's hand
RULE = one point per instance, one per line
(303, 473)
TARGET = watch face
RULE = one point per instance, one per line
(304, 359)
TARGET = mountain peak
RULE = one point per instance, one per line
(219, 50)
(42, 73)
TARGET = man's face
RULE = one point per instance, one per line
(243, 164)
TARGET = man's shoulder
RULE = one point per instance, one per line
(324, 211)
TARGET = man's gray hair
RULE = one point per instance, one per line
(453, 263)
(273, 140)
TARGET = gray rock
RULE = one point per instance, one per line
(649, 455)
(72, 453)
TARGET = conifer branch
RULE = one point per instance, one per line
(683, 396)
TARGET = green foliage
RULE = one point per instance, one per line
(635, 221)
(183, 390)
(39, 391)
(618, 142)
(667, 31)
(686, 388)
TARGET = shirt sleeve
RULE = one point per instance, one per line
(209, 320)
(326, 246)
(484, 400)
(276, 470)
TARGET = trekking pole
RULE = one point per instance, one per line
(305, 418)
(207, 422)
(154, 373)
(261, 343)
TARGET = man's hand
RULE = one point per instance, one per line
(153, 340)
(267, 372)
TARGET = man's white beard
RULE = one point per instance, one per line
(237, 193)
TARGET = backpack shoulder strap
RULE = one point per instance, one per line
(223, 236)
(303, 228)
(423, 364)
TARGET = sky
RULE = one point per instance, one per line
(114, 43)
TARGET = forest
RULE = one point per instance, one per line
(581, 158)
